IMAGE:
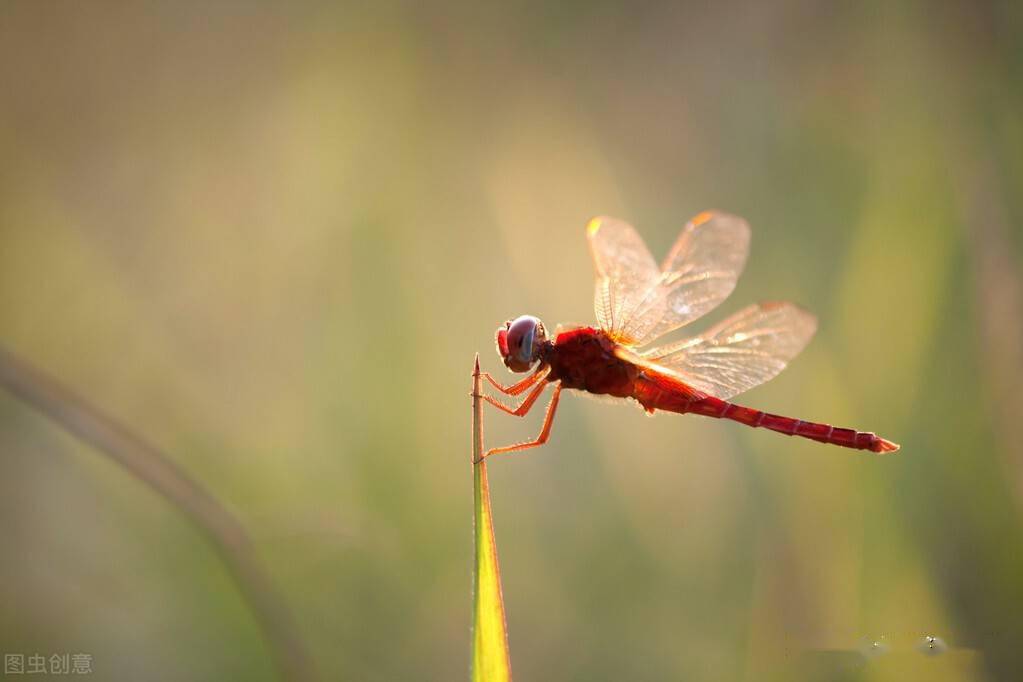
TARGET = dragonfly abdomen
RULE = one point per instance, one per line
(666, 393)
(823, 433)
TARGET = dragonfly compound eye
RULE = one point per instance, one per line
(520, 344)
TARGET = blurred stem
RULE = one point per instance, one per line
(148, 464)
(491, 661)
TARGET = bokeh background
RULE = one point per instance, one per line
(270, 237)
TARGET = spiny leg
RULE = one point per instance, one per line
(526, 404)
(519, 386)
(545, 432)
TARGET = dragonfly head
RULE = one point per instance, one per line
(520, 342)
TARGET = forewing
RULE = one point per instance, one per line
(625, 272)
(700, 271)
(744, 351)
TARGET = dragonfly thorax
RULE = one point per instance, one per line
(520, 342)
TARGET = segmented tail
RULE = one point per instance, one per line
(660, 394)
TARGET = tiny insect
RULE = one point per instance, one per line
(637, 302)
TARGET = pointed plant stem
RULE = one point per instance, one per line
(490, 658)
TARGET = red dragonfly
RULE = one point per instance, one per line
(637, 302)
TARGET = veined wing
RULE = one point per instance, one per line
(625, 272)
(744, 351)
(636, 301)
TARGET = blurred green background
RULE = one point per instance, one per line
(271, 237)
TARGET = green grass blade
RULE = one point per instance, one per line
(490, 659)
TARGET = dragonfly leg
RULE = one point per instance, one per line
(545, 431)
(524, 406)
(519, 386)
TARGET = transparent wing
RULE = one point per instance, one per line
(636, 302)
(744, 351)
(625, 271)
